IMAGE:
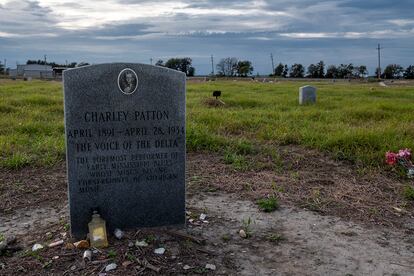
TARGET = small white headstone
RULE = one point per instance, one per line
(307, 94)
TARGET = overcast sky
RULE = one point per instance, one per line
(302, 31)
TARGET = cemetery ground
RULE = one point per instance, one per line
(340, 209)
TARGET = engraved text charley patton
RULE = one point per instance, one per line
(125, 151)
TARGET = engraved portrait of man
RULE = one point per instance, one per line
(127, 81)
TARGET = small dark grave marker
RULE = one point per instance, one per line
(216, 94)
(125, 143)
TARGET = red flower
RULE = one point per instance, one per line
(390, 158)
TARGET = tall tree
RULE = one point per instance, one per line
(285, 71)
(393, 71)
(2, 69)
(361, 71)
(191, 71)
(244, 68)
(181, 64)
(312, 71)
(227, 66)
(297, 71)
(279, 70)
(332, 72)
(320, 68)
(409, 72)
(345, 70)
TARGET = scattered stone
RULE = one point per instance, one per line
(203, 217)
(210, 266)
(397, 209)
(110, 267)
(36, 247)
(119, 234)
(55, 257)
(63, 234)
(56, 243)
(191, 220)
(73, 267)
(159, 251)
(141, 244)
(187, 267)
(87, 255)
(126, 263)
(49, 235)
(83, 244)
(130, 244)
(242, 233)
(188, 212)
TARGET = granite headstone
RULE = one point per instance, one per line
(307, 95)
(125, 145)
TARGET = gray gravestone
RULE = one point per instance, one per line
(125, 145)
(307, 94)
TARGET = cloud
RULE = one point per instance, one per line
(297, 31)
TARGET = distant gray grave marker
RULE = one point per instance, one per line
(307, 94)
(125, 145)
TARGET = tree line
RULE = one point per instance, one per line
(319, 70)
(234, 67)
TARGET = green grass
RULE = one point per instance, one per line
(268, 205)
(351, 121)
(31, 123)
(409, 192)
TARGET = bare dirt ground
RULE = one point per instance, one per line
(334, 220)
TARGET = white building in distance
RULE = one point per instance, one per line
(32, 70)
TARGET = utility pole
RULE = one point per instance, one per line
(151, 61)
(212, 65)
(379, 61)
(273, 63)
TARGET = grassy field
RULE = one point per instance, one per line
(356, 122)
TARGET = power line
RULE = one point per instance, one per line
(273, 63)
(379, 61)
(212, 65)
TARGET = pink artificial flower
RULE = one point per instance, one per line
(390, 158)
(404, 154)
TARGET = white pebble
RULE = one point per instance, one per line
(159, 251)
(110, 267)
(210, 266)
(118, 233)
(141, 244)
(37, 246)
